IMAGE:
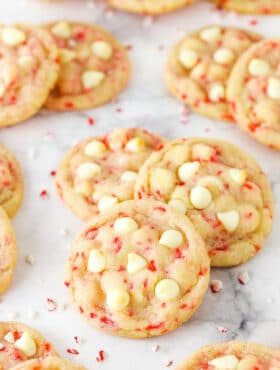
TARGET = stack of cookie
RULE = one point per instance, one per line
(159, 213)
(229, 74)
(62, 66)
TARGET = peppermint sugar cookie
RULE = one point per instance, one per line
(19, 343)
(199, 66)
(233, 356)
(254, 92)
(222, 190)
(149, 6)
(11, 182)
(49, 363)
(101, 171)
(95, 67)
(250, 6)
(28, 71)
(138, 270)
(8, 251)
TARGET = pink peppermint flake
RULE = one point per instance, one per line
(216, 286)
(184, 121)
(101, 356)
(243, 277)
(156, 348)
(168, 363)
(253, 22)
(51, 305)
(91, 121)
(76, 339)
(53, 173)
(44, 193)
(119, 110)
(223, 330)
(72, 351)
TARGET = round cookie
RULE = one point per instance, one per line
(95, 66)
(11, 182)
(222, 190)
(138, 270)
(19, 343)
(28, 71)
(250, 6)
(254, 92)
(199, 66)
(149, 6)
(233, 355)
(101, 171)
(49, 363)
(8, 251)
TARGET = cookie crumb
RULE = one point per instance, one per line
(223, 330)
(29, 259)
(51, 305)
(243, 277)
(168, 363)
(156, 348)
(216, 286)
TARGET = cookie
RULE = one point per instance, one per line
(95, 66)
(220, 187)
(199, 66)
(250, 6)
(254, 92)
(49, 363)
(8, 251)
(11, 182)
(232, 356)
(101, 171)
(149, 6)
(138, 270)
(28, 71)
(20, 343)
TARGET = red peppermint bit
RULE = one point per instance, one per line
(160, 325)
(53, 173)
(101, 356)
(16, 335)
(248, 215)
(253, 126)
(253, 22)
(257, 248)
(81, 309)
(72, 351)
(203, 271)
(223, 330)
(159, 147)
(91, 121)
(76, 339)
(105, 320)
(152, 266)
(248, 186)
(129, 47)
(168, 363)
(183, 306)
(43, 193)
(67, 284)
(68, 105)
(160, 209)
(179, 253)
(18, 355)
(92, 315)
(47, 347)
(2, 348)
(51, 305)
(145, 283)
(91, 233)
(243, 277)
(117, 244)
(121, 268)
(216, 286)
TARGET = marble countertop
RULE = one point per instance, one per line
(45, 228)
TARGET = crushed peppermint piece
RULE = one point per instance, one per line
(53, 173)
(156, 348)
(243, 277)
(216, 286)
(91, 121)
(51, 305)
(168, 363)
(72, 351)
(223, 330)
(44, 193)
(253, 22)
(101, 356)
(76, 339)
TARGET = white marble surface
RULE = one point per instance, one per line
(250, 312)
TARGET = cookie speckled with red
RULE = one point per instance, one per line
(19, 343)
(221, 188)
(99, 172)
(95, 66)
(254, 92)
(28, 71)
(250, 6)
(138, 270)
(199, 66)
(49, 363)
(233, 356)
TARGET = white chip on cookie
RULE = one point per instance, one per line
(216, 92)
(9, 337)
(238, 176)
(102, 49)
(66, 55)
(13, 36)
(96, 261)
(135, 145)
(88, 170)
(228, 362)
(188, 170)
(125, 225)
(26, 344)
(211, 34)
(129, 176)
(171, 239)
(106, 202)
(91, 79)
(273, 88)
(167, 289)
(230, 220)
(178, 205)
(26, 61)
(117, 299)
(200, 197)
(188, 58)
(95, 148)
(62, 30)
(259, 67)
(223, 56)
(135, 263)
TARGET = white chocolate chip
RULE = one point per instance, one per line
(228, 362)
(66, 55)
(200, 197)
(26, 344)
(13, 36)
(238, 176)
(95, 148)
(91, 79)
(96, 261)
(102, 49)
(178, 205)
(125, 225)
(135, 145)
(62, 30)
(187, 170)
(217, 92)
(167, 289)
(135, 263)
(273, 88)
(188, 58)
(259, 67)
(107, 201)
(26, 61)
(211, 34)
(9, 337)
(117, 299)
(88, 170)
(223, 56)
(171, 239)
(230, 220)
(129, 176)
